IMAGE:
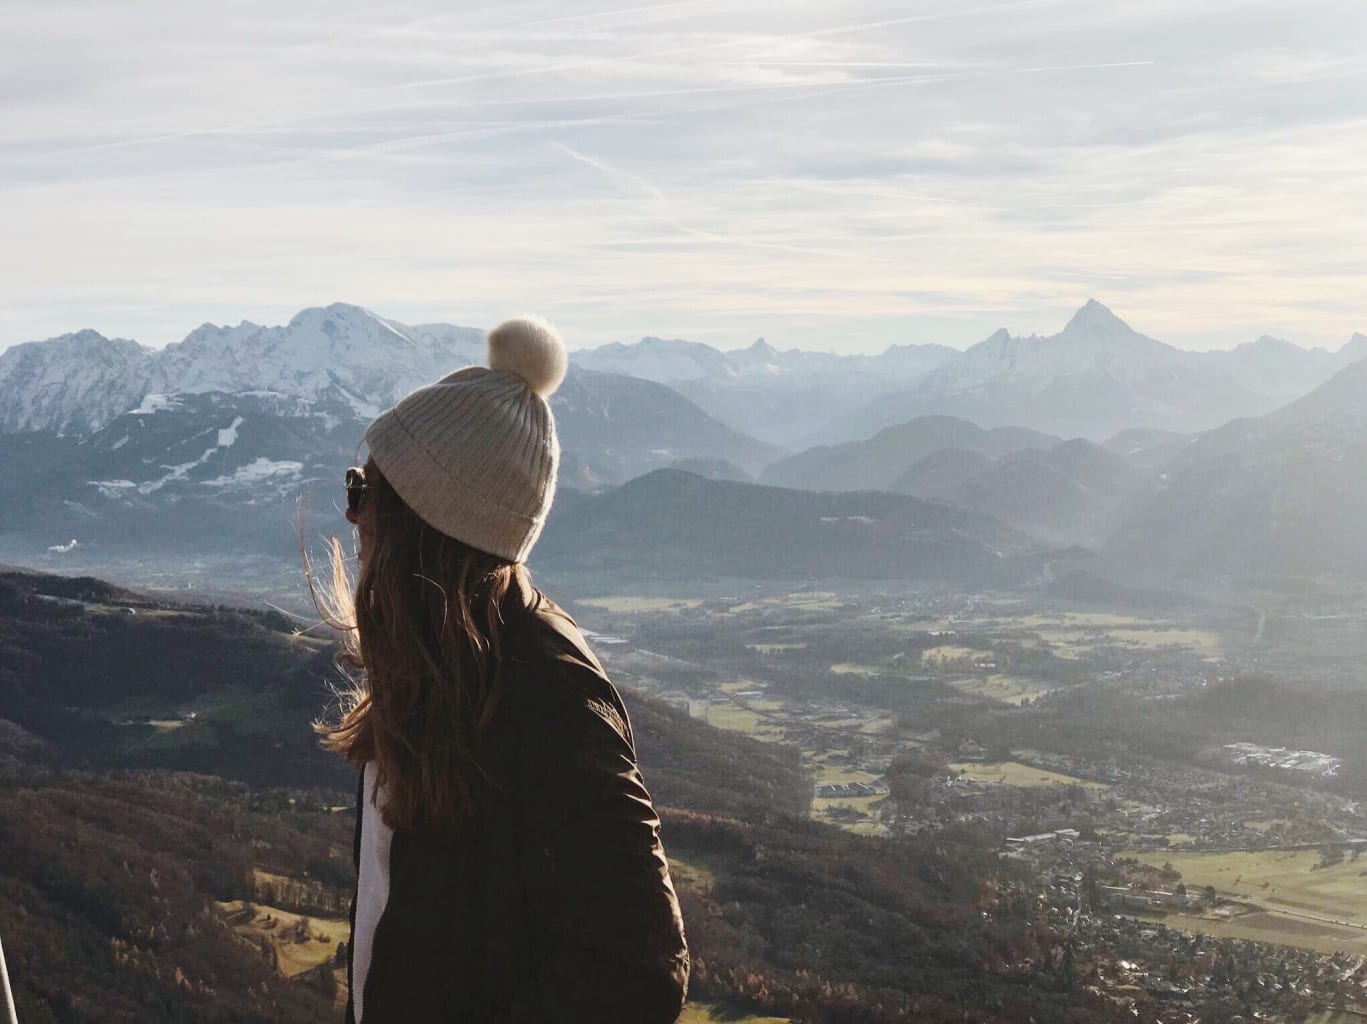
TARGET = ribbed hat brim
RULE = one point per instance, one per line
(475, 456)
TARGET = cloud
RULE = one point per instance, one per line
(842, 173)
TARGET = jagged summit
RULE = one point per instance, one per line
(87, 335)
(1096, 318)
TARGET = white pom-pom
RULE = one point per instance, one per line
(531, 349)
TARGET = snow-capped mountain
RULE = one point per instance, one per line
(76, 382)
(339, 354)
(337, 350)
(1099, 376)
(216, 437)
(1094, 339)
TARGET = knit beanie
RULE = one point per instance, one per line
(475, 454)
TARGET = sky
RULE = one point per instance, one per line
(825, 173)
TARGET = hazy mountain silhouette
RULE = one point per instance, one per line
(1279, 494)
(879, 462)
(677, 525)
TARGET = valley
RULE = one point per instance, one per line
(982, 710)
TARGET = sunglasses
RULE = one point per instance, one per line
(355, 488)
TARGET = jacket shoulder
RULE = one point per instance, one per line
(550, 667)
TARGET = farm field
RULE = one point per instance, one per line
(740, 719)
(1301, 904)
(1011, 773)
(1286, 878)
(933, 656)
(1004, 689)
(827, 773)
(296, 952)
(1274, 928)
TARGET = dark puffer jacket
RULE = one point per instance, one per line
(555, 905)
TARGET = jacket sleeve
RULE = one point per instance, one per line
(612, 947)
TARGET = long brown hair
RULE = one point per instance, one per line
(421, 640)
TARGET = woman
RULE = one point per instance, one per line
(508, 856)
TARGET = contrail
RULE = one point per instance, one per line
(668, 215)
(612, 172)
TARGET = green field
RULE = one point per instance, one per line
(739, 719)
(1010, 773)
(850, 668)
(1289, 899)
(933, 656)
(1005, 689)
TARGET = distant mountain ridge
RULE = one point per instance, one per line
(1094, 378)
(675, 525)
(784, 397)
(1098, 377)
(1062, 492)
(878, 463)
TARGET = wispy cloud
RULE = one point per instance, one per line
(844, 173)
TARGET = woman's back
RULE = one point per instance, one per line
(554, 903)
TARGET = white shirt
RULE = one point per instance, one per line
(372, 887)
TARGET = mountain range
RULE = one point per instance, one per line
(1099, 376)
(210, 441)
(216, 436)
(1094, 378)
(789, 398)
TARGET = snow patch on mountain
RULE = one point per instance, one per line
(114, 490)
(176, 473)
(228, 436)
(260, 471)
(152, 404)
